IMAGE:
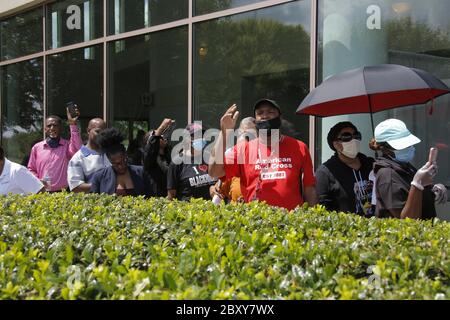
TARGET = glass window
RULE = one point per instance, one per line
(70, 22)
(263, 53)
(208, 6)
(148, 80)
(22, 108)
(21, 35)
(137, 14)
(76, 76)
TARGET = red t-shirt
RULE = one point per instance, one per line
(271, 176)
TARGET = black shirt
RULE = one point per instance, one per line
(342, 188)
(189, 180)
(156, 165)
(393, 182)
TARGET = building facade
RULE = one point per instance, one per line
(136, 62)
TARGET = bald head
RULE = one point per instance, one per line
(95, 126)
(97, 123)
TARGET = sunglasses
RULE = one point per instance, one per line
(347, 136)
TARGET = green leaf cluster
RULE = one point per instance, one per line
(72, 246)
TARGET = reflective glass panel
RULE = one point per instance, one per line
(76, 76)
(242, 58)
(137, 14)
(208, 6)
(22, 108)
(70, 22)
(21, 35)
(148, 81)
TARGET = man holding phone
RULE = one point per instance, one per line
(49, 158)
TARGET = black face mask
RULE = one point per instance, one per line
(269, 125)
(53, 142)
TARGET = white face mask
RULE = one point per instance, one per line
(351, 148)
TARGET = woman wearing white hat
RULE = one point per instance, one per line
(401, 190)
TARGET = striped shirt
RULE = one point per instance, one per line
(83, 165)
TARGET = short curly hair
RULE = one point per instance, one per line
(110, 140)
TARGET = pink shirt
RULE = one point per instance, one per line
(54, 161)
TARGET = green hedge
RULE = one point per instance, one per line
(67, 246)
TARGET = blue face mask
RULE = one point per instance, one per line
(405, 155)
(53, 142)
(198, 144)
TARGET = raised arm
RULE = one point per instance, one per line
(75, 142)
(151, 149)
(423, 177)
(216, 168)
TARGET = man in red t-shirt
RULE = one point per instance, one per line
(272, 168)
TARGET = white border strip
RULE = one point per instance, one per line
(190, 63)
(312, 75)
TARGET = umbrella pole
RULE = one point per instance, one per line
(371, 121)
(371, 114)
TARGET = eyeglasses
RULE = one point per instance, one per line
(347, 136)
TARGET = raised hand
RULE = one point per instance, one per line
(424, 176)
(229, 119)
(165, 124)
(73, 120)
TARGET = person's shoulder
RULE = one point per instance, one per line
(321, 173)
(63, 141)
(137, 169)
(365, 159)
(19, 171)
(77, 156)
(15, 167)
(384, 175)
(103, 171)
(322, 169)
(292, 141)
(38, 144)
(295, 146)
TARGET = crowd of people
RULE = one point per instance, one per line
(257, 164)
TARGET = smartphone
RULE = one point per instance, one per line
(433, 155)
(168, 132)
(73, 107)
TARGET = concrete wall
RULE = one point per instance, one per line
(8, 7)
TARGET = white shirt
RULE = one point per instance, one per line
(374, 181)
(83, 165)
(16, 179)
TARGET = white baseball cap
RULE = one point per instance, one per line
(395, 132)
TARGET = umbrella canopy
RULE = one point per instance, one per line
(372, 89)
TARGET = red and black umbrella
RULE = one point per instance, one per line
(372, 89)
